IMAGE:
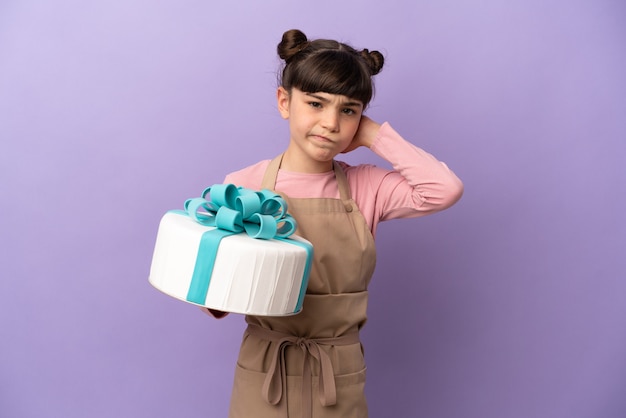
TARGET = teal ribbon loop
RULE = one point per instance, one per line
(260, 214)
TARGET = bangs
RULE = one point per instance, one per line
(334, 72)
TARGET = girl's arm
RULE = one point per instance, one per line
(419, 184)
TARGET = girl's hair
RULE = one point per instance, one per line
(327, 66)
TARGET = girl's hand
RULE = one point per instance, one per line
(213, 312)
(365, 135)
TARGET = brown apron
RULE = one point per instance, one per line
(311, 364)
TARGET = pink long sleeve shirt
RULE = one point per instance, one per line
(418, 185)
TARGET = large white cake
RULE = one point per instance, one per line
(227, 271)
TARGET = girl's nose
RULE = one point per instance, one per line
(330, 121)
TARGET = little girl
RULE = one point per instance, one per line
(312, 364)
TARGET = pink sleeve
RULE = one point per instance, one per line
(418, 185)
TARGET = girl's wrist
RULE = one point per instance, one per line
(370, 132)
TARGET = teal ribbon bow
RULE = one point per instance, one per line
(261, 214)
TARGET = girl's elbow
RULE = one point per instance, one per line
(448, 193)
(455, 190)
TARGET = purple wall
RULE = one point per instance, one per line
(509, 305)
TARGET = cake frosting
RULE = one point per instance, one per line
(235, 252)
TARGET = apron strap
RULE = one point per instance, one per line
(271, 173)
(344, 187)
(275, 384)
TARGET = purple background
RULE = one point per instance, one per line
(509, 305)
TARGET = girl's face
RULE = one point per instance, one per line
(321, 126)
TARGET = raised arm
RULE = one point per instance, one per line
(419, 183)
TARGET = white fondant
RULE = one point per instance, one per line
(250, 276)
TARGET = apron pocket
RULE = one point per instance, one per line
(351, 378)
(247, 400)
(351, 401)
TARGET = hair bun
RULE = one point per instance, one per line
(293, 42)
(374, 60)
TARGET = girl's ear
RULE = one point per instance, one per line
(282, 97)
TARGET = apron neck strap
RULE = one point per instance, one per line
(271, 173)
(344, 187)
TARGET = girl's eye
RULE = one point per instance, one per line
(349, 111)
(315, 104)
